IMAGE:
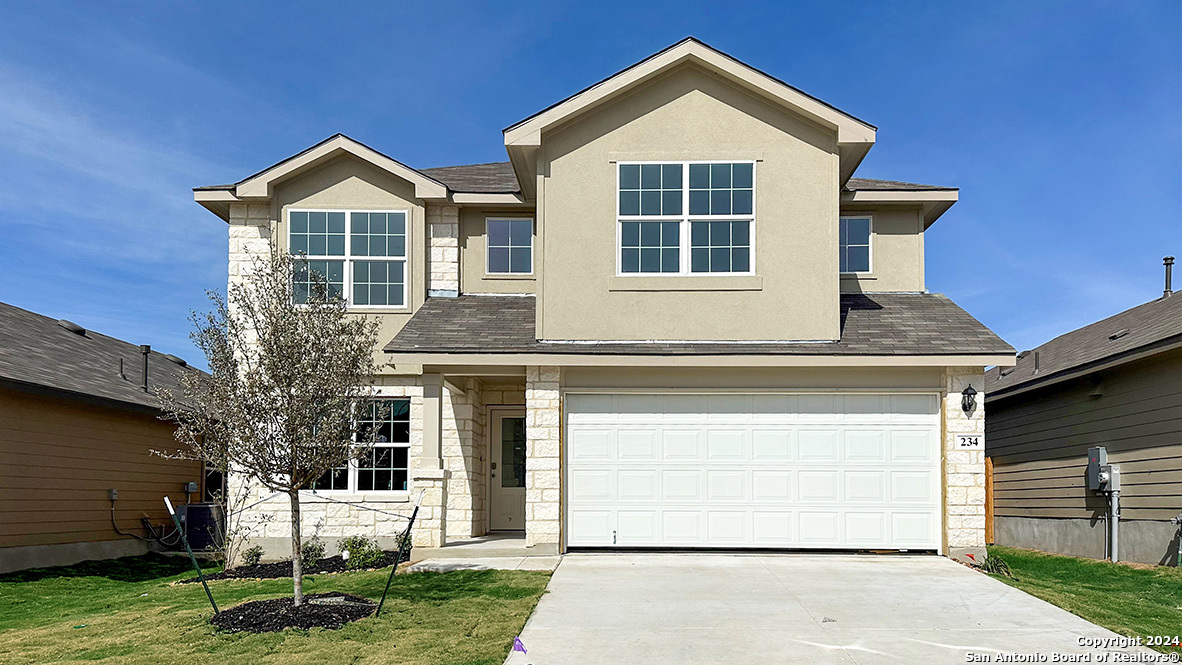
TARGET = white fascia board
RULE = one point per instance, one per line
(606, 360)
(261, 185)
(848, 128)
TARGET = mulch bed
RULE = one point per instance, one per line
(281, 569)
(322, 610)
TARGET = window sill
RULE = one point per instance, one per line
(859, 276)
(508, 276)
(332, 496)
(687, 283)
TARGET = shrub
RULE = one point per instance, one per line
(252, 555)
(996, 566)
(311, 552)
(363, 552)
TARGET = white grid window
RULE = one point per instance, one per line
(384, 467)
(366, 265)
(510, 246)
(854, 245)
(678, 218)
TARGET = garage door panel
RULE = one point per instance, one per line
(682, 444)
(723, 445)
(773, 528)
(819, 529)
(792, 470)
(638, 485)
(817, 445)
(865, 487)
(726, 527)
(818, 486)
(867, 445)
(590, 444)
(726, 486)
(771, 445)
(682, 485)
(637, 444)
(771, 486)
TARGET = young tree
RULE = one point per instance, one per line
(287, 386)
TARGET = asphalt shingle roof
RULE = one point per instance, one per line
(498, 178)
(1150, 323)
(36, 351)
(875, 324)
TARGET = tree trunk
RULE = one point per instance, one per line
(297, 569)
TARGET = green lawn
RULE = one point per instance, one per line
(126, 611)
(1133, 601)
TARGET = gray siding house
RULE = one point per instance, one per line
(1115, 383)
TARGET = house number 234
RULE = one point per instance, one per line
(970, 442)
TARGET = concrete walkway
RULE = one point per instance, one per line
(711, 608)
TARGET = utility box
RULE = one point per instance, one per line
(1097, 459)
(1110, 474)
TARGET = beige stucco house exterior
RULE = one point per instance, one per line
(672, 319)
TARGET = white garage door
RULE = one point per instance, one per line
(855, 471)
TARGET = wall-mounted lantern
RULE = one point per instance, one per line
(968, 399)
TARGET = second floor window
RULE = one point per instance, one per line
(686, 218)
(854, 237)
(360, 255)
(510, 246)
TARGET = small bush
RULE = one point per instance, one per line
(311, 552)
(363, 552)
(252, 555)
(996, 565)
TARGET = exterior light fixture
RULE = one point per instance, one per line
(968, 399)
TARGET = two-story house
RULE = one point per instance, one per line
(672, 319)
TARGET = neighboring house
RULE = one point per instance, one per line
(76, 423)
(672, 319)
(1115, 383)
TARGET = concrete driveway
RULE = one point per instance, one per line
(711, 608)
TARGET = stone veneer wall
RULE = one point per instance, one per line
(250, 237)
(543, 415)
(332, 517)
(443, 249)
(463, 445)
(964, 470)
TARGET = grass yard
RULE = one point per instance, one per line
(1133, 601)
(125, 611)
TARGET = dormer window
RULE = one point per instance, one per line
(360, 254)
(854, 236)
(683, 218)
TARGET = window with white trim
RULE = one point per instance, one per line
(384, 467)
(680, 218)
(510, 246)
(363, 261)
(854, 243)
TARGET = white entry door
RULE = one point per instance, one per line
(845, 471)
(507, 470)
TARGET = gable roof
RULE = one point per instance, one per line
(855, 137)
(880, 324)
(1154, 325)
(260, 186)
(38, 354)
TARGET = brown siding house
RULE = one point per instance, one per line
(1116, 383)
(75, 423)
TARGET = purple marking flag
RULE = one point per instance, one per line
(518, 646)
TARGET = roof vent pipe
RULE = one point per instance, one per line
(144, 350)
(1169, 263)
(1035, 361)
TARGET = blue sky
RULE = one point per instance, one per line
(1061, 122)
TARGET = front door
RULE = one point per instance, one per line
(507, 470)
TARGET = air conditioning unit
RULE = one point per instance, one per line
(204, 524)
